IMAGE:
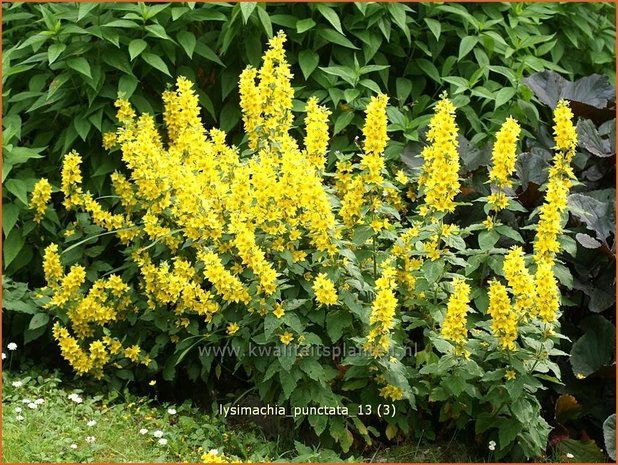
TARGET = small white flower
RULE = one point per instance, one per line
(171, 411)
(90, 439)
(26, 401)
(19, 418)
(73, 446)
(570, 456)
(163, 441)
(3, 355)
(92, 423)
(17, 409)
(492, 445)
(143, 431)
(158, 434)
(75, 398)
(39, 401)
(17, 384)
(11, 346)
(213, 451)
(32, 405)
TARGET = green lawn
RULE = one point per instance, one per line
(46, 420)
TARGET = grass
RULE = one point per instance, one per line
(41, 423)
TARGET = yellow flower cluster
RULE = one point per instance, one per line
(504, 319)
(214, 456)
(382, 318)
(440, 172)
(324, 290)
(521, 283)
(454, 325)
(316, 139)
(41, 194)
(504, 155)
(391, 392)
(376, 138)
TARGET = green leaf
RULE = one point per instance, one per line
(303, 25)
(330, 35)
(80, 65)
(508, 431)
(158, 31)
(10, 213)
(38, 320)
(308, 61)
(331, 16)
(187, 40)
(205, 51)
(265, 20)
(595, 348)
(127, 85)
(12, 246)
(435, 26)
(404, 89)
(156, 62)
(313, 368)
(246, 8)
(136, 46)
(18, 188)
(609, 435)
(466, 46)
(503, 96)
(54, 51)
(342, 121)
(487, 239)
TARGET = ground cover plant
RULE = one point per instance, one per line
(433, 248)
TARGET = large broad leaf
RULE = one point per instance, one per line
(595, 349)
(531, 167)
(609, 434)
(591, 96)
(599, 216)
(590, 139)
(571, 450)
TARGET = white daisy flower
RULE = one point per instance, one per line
(90, 439)
(17, 409)
(11, 346)
(26, 401)
(17, 384)
(32, 405)
(143, 431)
(171, 411)
(492, 445)
(158, 434)
(39, 401)
(163, 441)
(213, 451)
(73, 446)
(19, 418)
(92, 423)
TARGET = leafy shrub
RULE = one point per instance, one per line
(64, 64)
(261, 247)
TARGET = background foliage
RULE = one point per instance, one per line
(64, 64)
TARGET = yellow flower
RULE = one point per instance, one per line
(132, 353)
(286, 337)
(374, 129)
(510, 375)
(232, 328)
(382, 317)
(454, 325)
(548, 295)
(489, 223)
(279, 310)
(316, 140)
(401, 177)
(565, 133)
(504, 319)
(504, 154)
(439, 178)
(391, 392)
(41, 195)
(521, 282)
(324, 290)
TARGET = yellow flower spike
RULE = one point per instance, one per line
(454, 325)
(324, 290)
(440, 172)
(41, 195)
(521, 282)
(316, 139)
(504, 318)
